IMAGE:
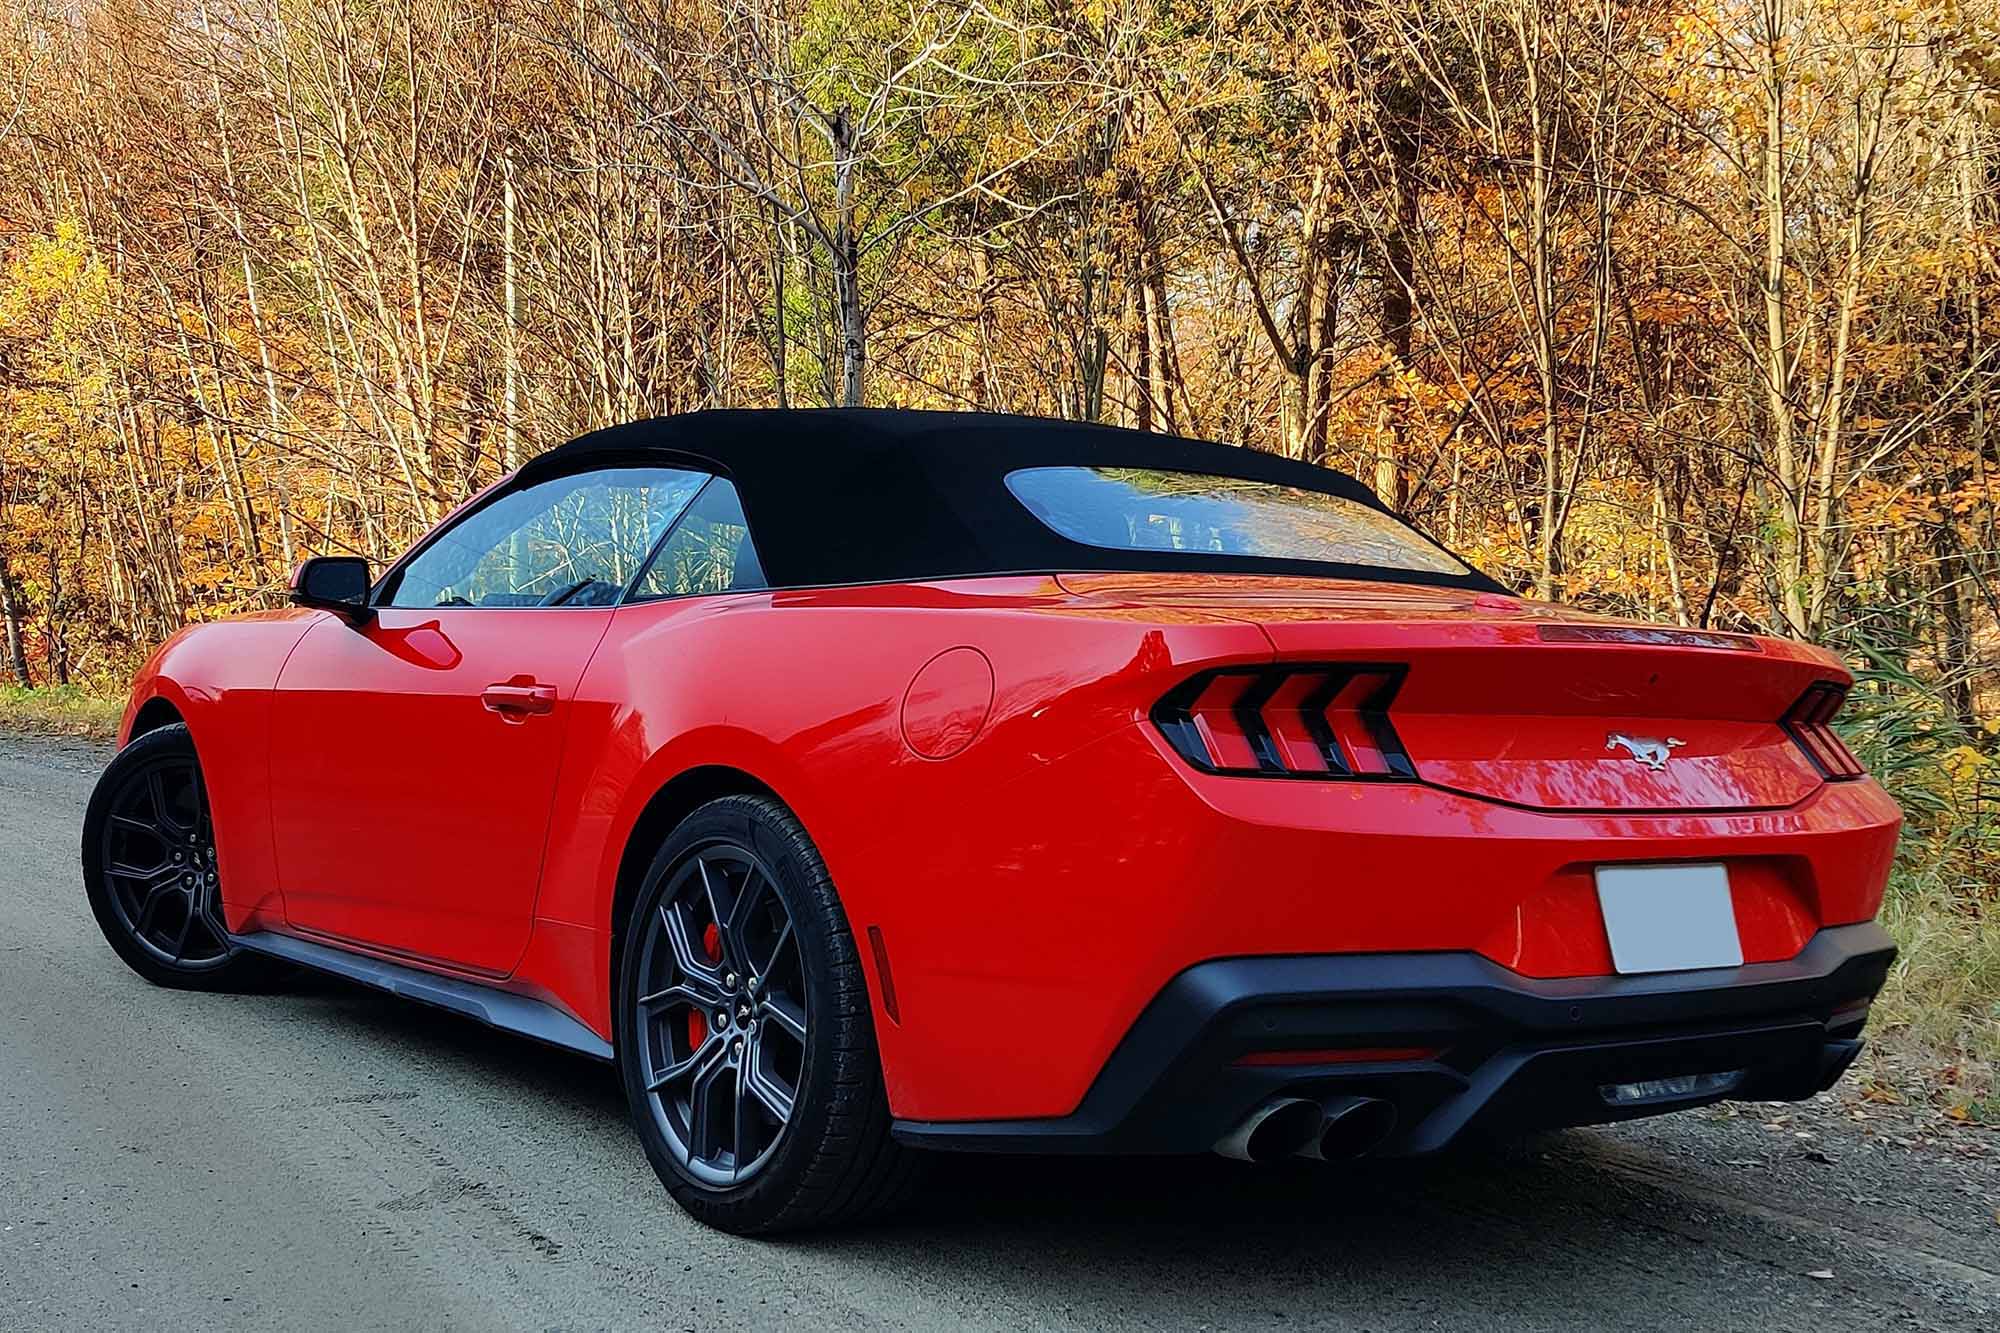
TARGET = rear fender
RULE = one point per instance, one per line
(810, 694)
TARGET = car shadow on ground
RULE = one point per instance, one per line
(989, 1189)
(1554, 1232)
(1560, 1231)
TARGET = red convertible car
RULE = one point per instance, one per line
(863, 782)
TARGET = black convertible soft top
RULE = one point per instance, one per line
(864, 495)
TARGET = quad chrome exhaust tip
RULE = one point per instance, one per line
(1279, 1128)
(1351, 1126)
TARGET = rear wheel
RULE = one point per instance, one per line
(745, 1038)
(149, 868)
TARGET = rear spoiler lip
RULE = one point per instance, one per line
(1661, 636)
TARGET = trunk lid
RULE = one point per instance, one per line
(1537, 705)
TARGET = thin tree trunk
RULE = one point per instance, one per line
(847, 265)
(1542, 280)
(779, 338)
(1140, 360)
(10, 609)
(1825, 551)
(1397, 317)
(1777, 366)
(510, 346)
(980, 390)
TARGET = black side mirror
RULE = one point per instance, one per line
(334, 583)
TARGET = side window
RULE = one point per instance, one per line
(572, 540)
(709, 550)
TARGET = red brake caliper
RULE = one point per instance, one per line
(711, 944)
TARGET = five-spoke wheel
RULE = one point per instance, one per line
(745, 1035)
(723, 1014)
(159, 855)
(150, 870)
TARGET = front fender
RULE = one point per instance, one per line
(155, 682)
(218, 677)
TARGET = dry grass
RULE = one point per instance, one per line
(60, 711)
(1942, 1002)
(1940, 1012)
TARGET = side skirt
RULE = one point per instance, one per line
(495, 1008)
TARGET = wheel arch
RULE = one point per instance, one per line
(156, 712)
(677, 798)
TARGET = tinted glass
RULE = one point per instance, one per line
(568, 541)
(1141, 509)
(709, 550)
(336, 578)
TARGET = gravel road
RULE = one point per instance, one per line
(323, 1157)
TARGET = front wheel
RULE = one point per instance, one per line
(745, 1038)
(149, 868)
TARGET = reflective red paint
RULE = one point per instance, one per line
(1059, 863)
(409, 799)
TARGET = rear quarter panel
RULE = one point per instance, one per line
(805, 691)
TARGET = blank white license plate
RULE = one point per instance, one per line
(1668, 918)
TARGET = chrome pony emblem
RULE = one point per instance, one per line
(1648, 751)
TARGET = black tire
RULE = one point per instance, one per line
(832, 1159)
(154, 893)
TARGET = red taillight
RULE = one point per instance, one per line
(1325, 721)
(1809, 723)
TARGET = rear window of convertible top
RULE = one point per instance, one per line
(1145, 509)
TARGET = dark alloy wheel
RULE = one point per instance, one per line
(721, 1028)
(745, 1037)
(149, 866)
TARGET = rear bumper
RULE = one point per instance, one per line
(1513, 1053)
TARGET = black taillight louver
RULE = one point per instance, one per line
(1321, 721)
(1809, 723)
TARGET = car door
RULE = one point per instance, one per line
(414, 755)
